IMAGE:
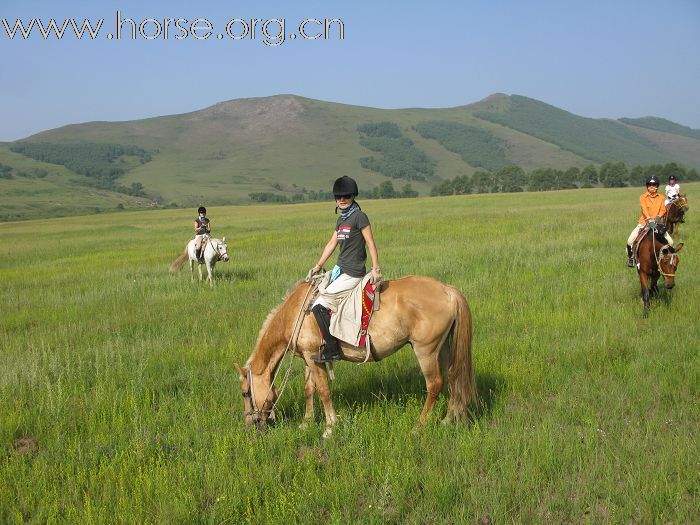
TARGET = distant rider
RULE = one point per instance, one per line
(202, 229)
(673, 190)
(353, 233)
(652, 204)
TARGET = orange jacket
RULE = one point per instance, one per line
(652, 207)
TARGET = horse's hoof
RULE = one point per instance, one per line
(327, 433)
(304, 425)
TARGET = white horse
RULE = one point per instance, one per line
(215, 250)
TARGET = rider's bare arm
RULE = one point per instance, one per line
(327, 251)
(369, 239)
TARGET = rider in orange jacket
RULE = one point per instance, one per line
(652, 204)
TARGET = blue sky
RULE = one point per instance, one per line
(597, 59)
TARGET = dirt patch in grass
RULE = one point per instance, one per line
(26, 445)
(316, 455)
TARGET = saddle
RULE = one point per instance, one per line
(361, 348)
(659, 232)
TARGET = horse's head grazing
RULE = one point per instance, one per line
(668, 263)
(258, 398)
(222, 250)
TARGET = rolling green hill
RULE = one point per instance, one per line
(290, 145)
(598, 140)
(661, 124)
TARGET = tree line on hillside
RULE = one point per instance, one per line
(385, 190)
(401, 159)
(514, 179)
(6, 172)
(477, 147)
(101, 164)
(9, 172)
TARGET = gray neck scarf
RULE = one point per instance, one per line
(344, 214)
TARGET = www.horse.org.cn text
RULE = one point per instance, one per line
(271, 32)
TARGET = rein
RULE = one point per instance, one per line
(659, 259)
(256, 412)
(216, 249)
(214, 246)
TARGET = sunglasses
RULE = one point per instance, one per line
(343, 197)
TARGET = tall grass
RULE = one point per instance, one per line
(119, 402)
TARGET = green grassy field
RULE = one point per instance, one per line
(119, 402)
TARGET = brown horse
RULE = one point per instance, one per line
(655, 258)
(432, 317)
(674, 213)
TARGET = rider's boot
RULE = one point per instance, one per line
(331, 349)
(630, 259)
(200, 256)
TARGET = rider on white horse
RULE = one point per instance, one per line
(202, 229)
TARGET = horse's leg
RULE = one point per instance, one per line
(199, 268)
(210, 272)
(428, 359)
(645, 293)
(654, 289)
(191, 269)
(309, 389)
(324, 393)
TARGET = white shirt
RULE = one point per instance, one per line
(672, 192)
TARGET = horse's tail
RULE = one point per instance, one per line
(177, 263)
(458, 361)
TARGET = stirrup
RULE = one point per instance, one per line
(630, 262)
(326, 358)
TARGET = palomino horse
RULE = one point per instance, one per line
(655, 259)
(432, 317)
(215, 250)
(674, 213)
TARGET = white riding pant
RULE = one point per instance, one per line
(199, 239)
(343, 283)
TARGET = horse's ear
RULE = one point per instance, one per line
(679, 247)
(223, 240)
(240, 370)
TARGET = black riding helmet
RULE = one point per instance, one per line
(653, 181)
(202, 209)
(345, 186)
(672, 177)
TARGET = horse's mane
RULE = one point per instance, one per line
(269, 320)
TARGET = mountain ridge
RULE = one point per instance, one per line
(223, 152)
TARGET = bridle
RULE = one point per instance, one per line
(219, 255)
(672, 260)
(257, 412)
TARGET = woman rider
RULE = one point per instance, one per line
(353, 233)
(202, 228)
(652, 204)
(673, 190)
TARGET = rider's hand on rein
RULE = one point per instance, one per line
(313, 271)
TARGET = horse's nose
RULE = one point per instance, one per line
(670, 285)
(225, 258)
